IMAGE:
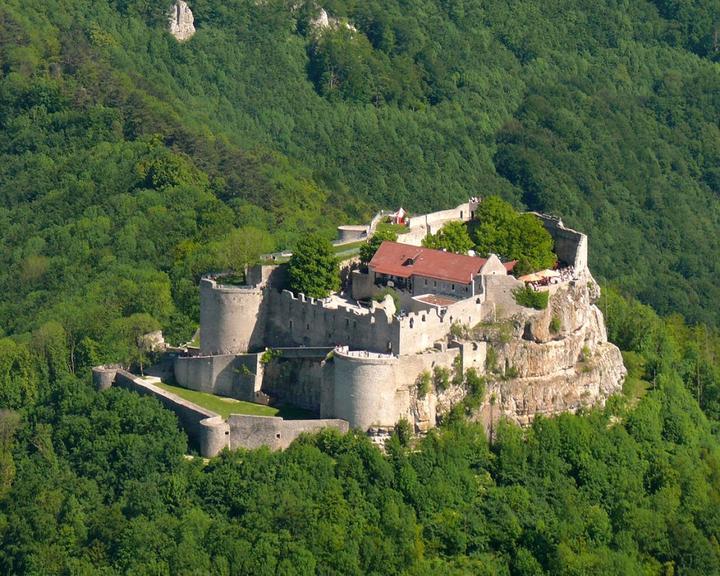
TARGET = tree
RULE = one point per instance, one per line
(367, 250)
(243, 247)
(452, 237)
(500, 230)
(313, 268)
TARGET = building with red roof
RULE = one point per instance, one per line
(420, 270)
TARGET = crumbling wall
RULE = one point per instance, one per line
(571, 246)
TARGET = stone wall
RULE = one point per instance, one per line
(571, 246)
(207, 432)
(232, 318)
(256, 431)
(236, 376)
(300, 321)
(295, 381)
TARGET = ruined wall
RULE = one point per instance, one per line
(300, 321)
(206, 431)
(232, 318)
(235, 376)
(255, 431)
(498, 294)
(571, 246)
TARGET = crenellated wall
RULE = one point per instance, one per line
(300, 321)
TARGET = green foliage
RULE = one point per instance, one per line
(269, 355)
(499, 229)
(452, 237)
(555, 325)
(441, 378)
(313, 267)
(530, 298)
(423, 382)
(367, 250)
(380, 296)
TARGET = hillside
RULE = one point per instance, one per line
(131, 164)
(127, 158)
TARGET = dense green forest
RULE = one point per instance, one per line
(96, 483)
(131, 164)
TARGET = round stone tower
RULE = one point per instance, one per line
(366, 389)
(231, 318)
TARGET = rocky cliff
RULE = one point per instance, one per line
(181, 21)
(544, 362)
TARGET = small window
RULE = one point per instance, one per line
(423, 318)
(291, 324)
(477, 300)
(435, 283)
(277, 434)
(425, 281)
(412, 322)
(307, 326)
(452, 286)
(347, 322)
(354, 324)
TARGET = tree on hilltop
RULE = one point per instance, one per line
(452, 237)
(367, 250)
(500, 230)
(313, 268)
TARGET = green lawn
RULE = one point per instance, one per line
(226, 406)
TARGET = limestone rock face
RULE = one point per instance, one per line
(182, 23)
(542, 362)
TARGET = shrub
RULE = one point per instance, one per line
(555, 325)
(423, 383)
(441, 378)
(529, 298)
(380, 296)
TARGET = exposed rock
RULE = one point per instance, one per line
(323, 21)
(181, 20)
(542, 362)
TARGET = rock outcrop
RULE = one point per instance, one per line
(182, 23)
(542, 362)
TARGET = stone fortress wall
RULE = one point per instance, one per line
(358, 367)
(208, 432)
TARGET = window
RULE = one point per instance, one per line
(307, 326)
(412, 322)
(291, 324)
(435, 283)
(425, 281)
(452, 286)
(423, 318)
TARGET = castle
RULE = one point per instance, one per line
(357, 363)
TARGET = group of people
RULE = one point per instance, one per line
(563, 275)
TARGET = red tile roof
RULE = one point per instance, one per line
(403, 261)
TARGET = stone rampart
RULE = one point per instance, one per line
(255, 431)
(232, 318)
(205, 429)
(435, 220)
(300, 321)
(237, 376)
(571, 246)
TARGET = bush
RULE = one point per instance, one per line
(555, 325)
(380, 296)
(423, 383)
(441, 378)
(529, 298)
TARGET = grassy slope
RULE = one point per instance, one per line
(226, 406)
